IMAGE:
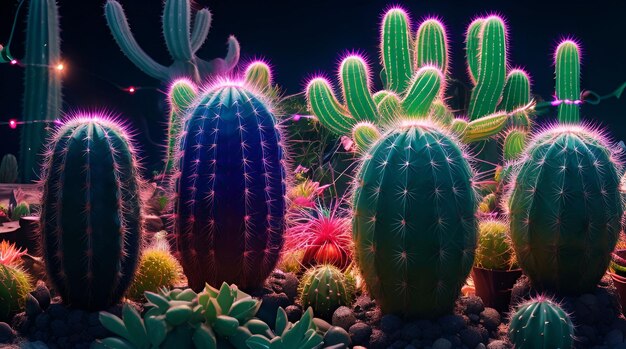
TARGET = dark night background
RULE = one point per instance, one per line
(301, 38)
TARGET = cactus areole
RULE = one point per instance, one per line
(414, 223)
(230, 205)
(565, 209)
(91, 217)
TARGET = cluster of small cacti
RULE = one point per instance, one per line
(20, 210)
(494, 249)
(157, 269)
(209, 319)
(230, 188)
(15, 284)
(325, 288)
(91, 219)
(541, 323)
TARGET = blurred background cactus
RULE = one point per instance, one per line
(8, 169)
(182, 40)
(230, 190)
(91, 222)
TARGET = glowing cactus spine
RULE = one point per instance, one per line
(181, 96)
(568, 81)
(565, 209)
(91, 219)
(541, 324)
(181, 39)
(414, 225)
(230, 206)
(42, 94)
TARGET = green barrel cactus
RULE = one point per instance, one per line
(494, 245)
(325, 288)
(565, 209)
(14, 288)
(157, 269)
(414, 225)
(567, 62)
(541, 324)
(91, 219)
(8, 169)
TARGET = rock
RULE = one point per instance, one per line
(33, 345)
(490, 318)
(42, 321)
(21, 322)
(57, 311)
(7, 335)
(363, 303)
(378, 340)
(337, 335)
(270, 304)
(474, 318)
(442, 343)
(451, 324)
(373, 316)
(390, 323)
(59, 328)
(42, 295)
(294, 313)
(588, 332)
(343, 317)
(498, 344)
(75, 316)
(290, 286)
(473, 305)
(360, 333)
(410, 331)
(32, 307)
(471, 336)
(480, 346)
(98, 331)
(613, 338)
(93, 319)
(433, 332)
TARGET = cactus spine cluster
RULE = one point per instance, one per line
(230, 206)
(414, 72)
(565, 209)
(541, 324)
(324, 288)
(414, 224)
(91, 219)
(568, 81)
(42, 94)
(8, 169)
(14, 288)
(181, 39)
(494, 246)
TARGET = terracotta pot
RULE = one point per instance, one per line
(494, 286)
(619, 257)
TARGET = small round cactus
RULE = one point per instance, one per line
(566, 209)
(14, 287)
(325, 288)
(494, 249)
(541, 324)
(20, 210)
(157, 269)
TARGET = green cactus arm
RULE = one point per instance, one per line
(201, 27)
(176, 28)
(458, 127)
(424, 88)
(516, 91)
(116, 20)
(395, 48)
(472, 44)
(440, 112)
(388, 104)
(568, 81)
(259, 75)
(355, 83)
(431, 46)
(364, 135)
(485, 127)
(329, 111)
(514, 143)
(492, 70)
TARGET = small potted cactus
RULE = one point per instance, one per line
(617, 270)
(495, 268)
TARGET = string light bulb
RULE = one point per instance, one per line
(60, 67)
(13, 124)
(13, 61)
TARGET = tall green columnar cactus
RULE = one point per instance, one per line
(490, 54)
(541, 324)
(568, 81)
(181, 96)
(181, 39)
(414, 224)
(414, 70)
(91, 212)
(42, 94)
(565, 209)
(230, 191)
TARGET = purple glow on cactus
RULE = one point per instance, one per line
(396, 9)
(568, 41)
(184, 81)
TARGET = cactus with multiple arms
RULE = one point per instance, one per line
(541, 324)
(565, 209)
(91, 218)
(325, 288)
(182, 43)
(42, 94)
(230, 190)
(568, 81)
(414, 70)
(414, 224)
